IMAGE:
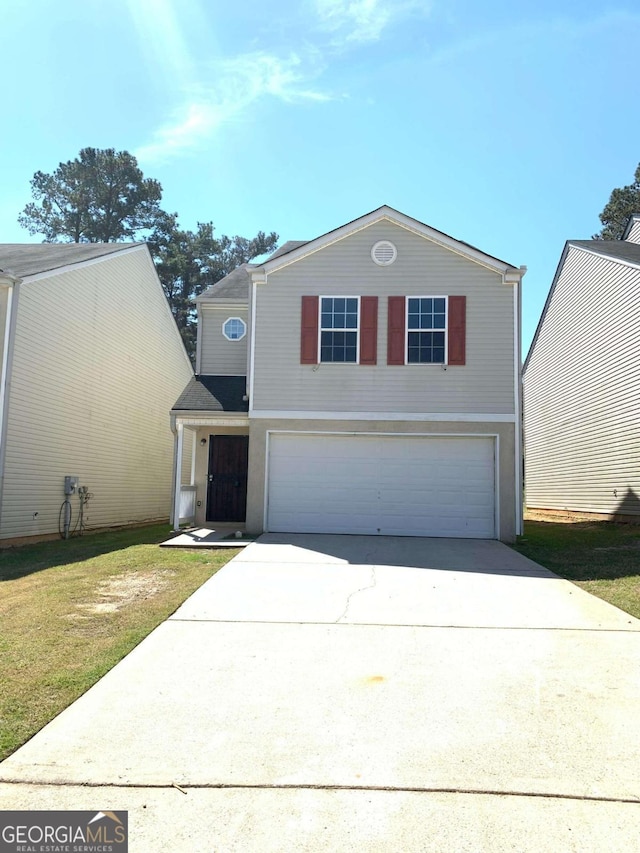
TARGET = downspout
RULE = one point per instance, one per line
(174, 472)
(13, 285)
(517, 358)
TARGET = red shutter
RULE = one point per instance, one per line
(368, 329)
(309, 330)
(457, 329)
(396, 330)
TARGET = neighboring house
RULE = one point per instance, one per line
(91, 361)
(582, 382)
(367, 381)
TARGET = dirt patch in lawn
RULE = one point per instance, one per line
(116, 593)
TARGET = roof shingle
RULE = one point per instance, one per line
(214, 394)
(25, 259)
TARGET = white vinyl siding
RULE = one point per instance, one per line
(220, 356)
(387, 485)
(581, 391)
(484, 384)
(97, 364)
(634, 232)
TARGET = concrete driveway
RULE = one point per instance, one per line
(361, 693)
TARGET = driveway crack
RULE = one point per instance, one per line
(371, 585)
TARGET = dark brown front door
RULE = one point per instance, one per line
(227, 480)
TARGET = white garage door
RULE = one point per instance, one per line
(387, 485)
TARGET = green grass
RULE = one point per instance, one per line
(69, 611)
(601, 557)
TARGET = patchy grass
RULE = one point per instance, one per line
(602, 557)
(71, 610)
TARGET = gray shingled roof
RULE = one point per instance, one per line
(24, 259)
(287, 247)
(214, 394)
(232, 286)
(621, 250)
(236, 284)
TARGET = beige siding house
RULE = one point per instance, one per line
(91, 360)
(581, 383)
(381, 393)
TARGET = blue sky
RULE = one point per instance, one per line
(504, 124)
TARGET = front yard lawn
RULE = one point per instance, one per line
(601, 557)
(69, 611)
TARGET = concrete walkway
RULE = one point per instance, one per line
(334, 693)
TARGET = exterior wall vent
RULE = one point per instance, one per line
(383, 253)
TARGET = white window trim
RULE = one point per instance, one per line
(321, 330)
(244, 325)
(406, 333)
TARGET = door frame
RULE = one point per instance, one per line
(244, 437)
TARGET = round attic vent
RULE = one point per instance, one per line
(384, 253)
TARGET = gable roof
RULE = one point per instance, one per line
(282, 258)
(26, 259)
(621, 251)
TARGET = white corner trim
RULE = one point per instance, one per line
(427, 417)
(518, 407)
(252, 343)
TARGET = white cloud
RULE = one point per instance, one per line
(212, 94)
(352, 21)
(240, 82)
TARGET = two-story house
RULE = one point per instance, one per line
(581, 382)
(91, 359)
(367, 381)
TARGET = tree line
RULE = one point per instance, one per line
(102, 196)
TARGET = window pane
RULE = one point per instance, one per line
(338, 346)
(438, 321)
(338, 304)
(425, 348)
(438, 305)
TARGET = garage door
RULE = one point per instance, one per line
(387, 485)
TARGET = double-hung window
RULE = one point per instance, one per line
(426, 329)
(339, 328)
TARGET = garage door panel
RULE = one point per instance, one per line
(392, 485)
